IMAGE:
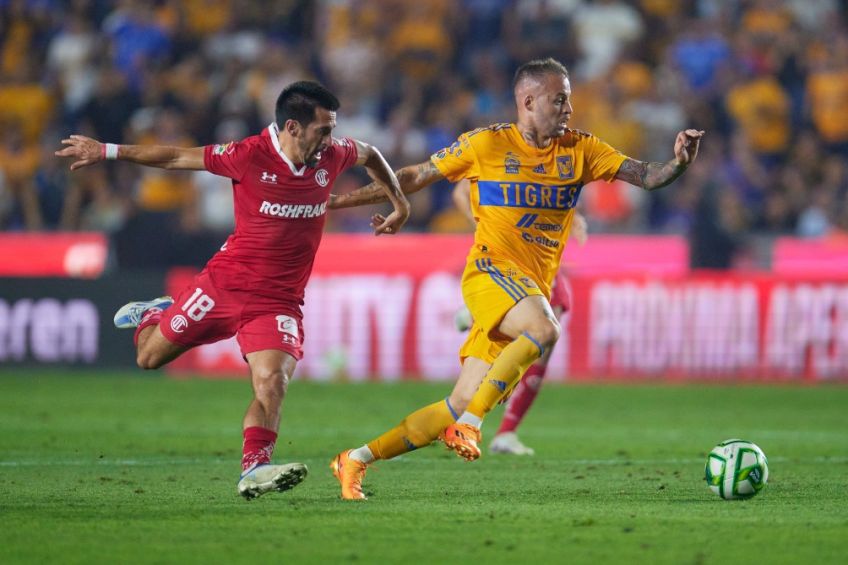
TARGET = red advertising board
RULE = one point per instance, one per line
(382, 309)
(823, 256)
(65, 254)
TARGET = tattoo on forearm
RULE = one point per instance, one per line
(368, 194)
(649, 176)
(411, 179)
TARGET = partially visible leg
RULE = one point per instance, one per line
(522, 398)
(423, 426)
(418, 429)
(270, 372)
(534, 328)
(153, 349)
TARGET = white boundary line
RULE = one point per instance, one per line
(184, 461)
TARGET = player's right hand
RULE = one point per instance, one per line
(686, 145)
(85, 150)
(389, 225)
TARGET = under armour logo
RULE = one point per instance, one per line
(268, 177)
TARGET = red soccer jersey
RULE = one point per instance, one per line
(280, 211)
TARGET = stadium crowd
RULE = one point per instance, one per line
(767, 80)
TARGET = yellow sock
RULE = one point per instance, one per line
(505, 373)
(416, 430)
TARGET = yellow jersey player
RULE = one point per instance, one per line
(525, 178)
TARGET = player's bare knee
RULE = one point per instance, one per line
(545, 333)
(459, 401)
(270, 383)
(148, 360)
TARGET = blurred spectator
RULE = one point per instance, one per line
(700, 52)
(70, 56)
(19, 162)
(138, 40)
(108, 111)
(759, 106)
(604, 28)
(541, 28)
(827, 92)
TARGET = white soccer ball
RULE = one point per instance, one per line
(736, 469)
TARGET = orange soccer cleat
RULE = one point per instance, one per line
(463, 439)
(350, 473)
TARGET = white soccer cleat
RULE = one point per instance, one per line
(509, 443)
(262, 479)
(130, 314)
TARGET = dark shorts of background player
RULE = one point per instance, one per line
(259, 322)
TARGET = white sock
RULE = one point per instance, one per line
(469, 418)
(362, 454)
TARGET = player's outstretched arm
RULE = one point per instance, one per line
(86, 151)
(379, 170)
(651, 176)
(412, 179)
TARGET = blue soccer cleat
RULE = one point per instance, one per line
(129, 315)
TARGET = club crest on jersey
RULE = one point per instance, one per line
(565, 167)
(223, 148)
(179, 323)
(511, 164)
(322, 177)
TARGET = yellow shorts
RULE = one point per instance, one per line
(490, 288)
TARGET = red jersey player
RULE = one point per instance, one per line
(253, 287)
(522, 397)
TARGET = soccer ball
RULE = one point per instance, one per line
(736, 469)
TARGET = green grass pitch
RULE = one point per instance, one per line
(140, 468)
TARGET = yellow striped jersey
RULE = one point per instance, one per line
(523, 197)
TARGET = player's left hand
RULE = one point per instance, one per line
(686, 145)
(85, 150)
(388, 225)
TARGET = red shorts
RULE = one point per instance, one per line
(204, 313)
(559, 293)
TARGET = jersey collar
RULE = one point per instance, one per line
(274, 132)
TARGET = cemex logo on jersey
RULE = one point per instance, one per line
(293, 210)
(268, 177)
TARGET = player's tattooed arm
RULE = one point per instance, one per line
(651, 176)
(411, 179)
(386, 180)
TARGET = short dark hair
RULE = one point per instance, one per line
(298, 101)
(537, 68)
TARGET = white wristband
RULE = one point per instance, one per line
(111, 151)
